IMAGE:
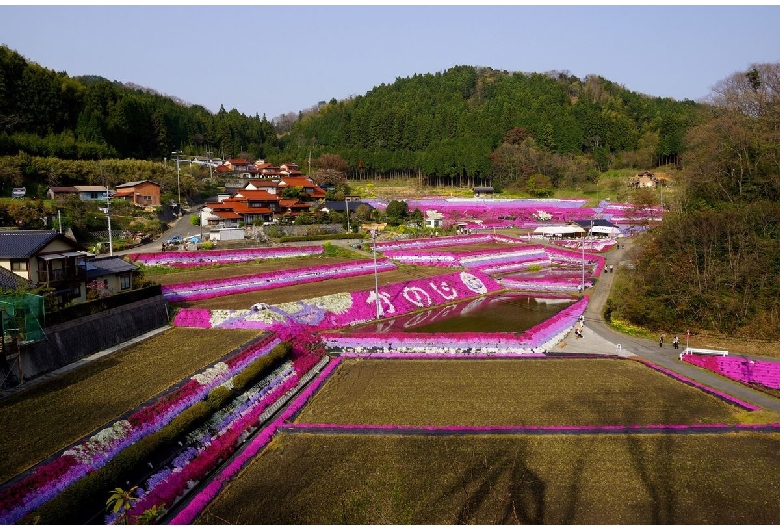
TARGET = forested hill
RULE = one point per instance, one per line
(466, 121)
(48, 113)
(450, 123)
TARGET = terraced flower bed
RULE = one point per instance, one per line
(219, 257)
(47, 417)
(50, 478)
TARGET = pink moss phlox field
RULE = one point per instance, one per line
(47, 480)
(346, 309)
(192, 318)
(258, 442)
(219, 257)
(725, 397)
(206, 289)
(480, 214)
(520, 257)
(532, 341)
(764, 373)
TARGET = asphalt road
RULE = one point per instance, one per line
(182, 227)
(600, 339)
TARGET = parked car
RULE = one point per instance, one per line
(173, 240)
(19, 193)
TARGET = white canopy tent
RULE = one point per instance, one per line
(559, 231)
(608, 230)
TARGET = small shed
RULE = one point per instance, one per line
(433, 219)
(227, 234)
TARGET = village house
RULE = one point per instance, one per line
(45, 258)
(84, 193)
(141, 193)
(108, 275)
(261, 201)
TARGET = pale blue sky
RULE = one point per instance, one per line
(275, 59)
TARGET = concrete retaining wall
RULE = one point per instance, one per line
(70, 341)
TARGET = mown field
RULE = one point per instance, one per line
(49, 416)
(305, 478)
(517, 392)
(529, 479)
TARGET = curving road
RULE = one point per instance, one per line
(601, 339)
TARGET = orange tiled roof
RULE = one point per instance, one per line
(255, 195)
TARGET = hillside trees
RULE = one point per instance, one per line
(46, 113)
(452, 127)
(714, 261)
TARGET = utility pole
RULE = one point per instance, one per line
(178, 178)
(376, 276)
(108, 216)
(346, 203)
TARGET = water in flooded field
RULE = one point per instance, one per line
(504, 312)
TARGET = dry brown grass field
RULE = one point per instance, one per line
(381, 477)
(241, 269)
(49, 416)
(519, 392)
(304, 291)
(528, 479)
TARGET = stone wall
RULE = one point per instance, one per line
(70, 341)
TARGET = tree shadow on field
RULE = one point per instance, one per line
(652, 458)
(504, 483)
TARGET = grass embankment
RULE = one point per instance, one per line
(48, 417)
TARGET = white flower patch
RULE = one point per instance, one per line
(99, 443)
(211, 374)
(417, 296)
(265, 315)
(473, 283)
(228, 384)
(219, 316)
(335, 303)
(444, 290)
(384, 300)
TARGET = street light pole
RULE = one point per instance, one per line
(376, 277)
(582, 285)
(108, 216)
(178, 178)
(346, 203)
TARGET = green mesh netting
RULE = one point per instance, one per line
(23, 317)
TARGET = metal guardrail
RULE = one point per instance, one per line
(703, 351)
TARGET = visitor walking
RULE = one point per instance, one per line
(661, 341)
(676, 342)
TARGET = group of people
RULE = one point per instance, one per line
(675, 341)
(578, 327)
(610, 268)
